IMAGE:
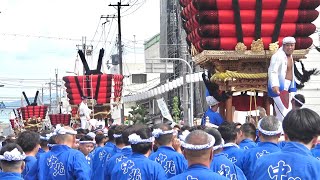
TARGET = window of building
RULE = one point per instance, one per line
(139, 78)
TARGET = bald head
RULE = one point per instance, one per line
(198, 137)
(204, 156)
(66, 139)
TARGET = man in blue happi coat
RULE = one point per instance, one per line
(233, 152)
(212, 113)
(294, 161)
(138, 166)
(29, 141)
(122, 141)
(270, 129)
(61, 162)
(86, 145)
(247, 136)
(198, 152)
(316, 151)
(220, 163)
(103, 155)
(44, 138)
(11, 162)
(100, 140)
(172, 162)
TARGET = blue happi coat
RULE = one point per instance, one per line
(172, 162)
(252, 155)
(117, 158)
(214, 117)
(281, 144)
(224, 167)
(30, 161)
(136, 167)
(198, 172)
(93, 152)
(247, 144)
(293, 162)
(61, 162)
(100, 158)
(10, 176)
(41, 151)
(316, 151)
(233, 153)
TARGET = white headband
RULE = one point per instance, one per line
(62, 130)
(199, 147)
(184, 134)
(230, 145)
(117, 135)
(158, 132)
(47, 137)
(136, 139)
(219, 146)
(13, 155)
(301, 103)
(87, 142)
(51, 145)
(269, 133)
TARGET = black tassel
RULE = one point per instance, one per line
(213, 89)
(305, 75)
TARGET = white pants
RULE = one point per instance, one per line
(281, 110)
(84, 123)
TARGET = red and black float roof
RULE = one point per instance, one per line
(94, 84)
(32, 110)
(221, 24)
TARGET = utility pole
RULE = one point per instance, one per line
(50, 96)
(119, 5)
(57, 95)
(85, 49)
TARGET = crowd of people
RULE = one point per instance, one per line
(138, 152)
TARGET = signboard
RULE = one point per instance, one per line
(164, 109)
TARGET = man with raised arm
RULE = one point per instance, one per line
(281, 82)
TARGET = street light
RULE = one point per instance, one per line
(191, 84)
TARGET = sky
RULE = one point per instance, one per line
(39, 36)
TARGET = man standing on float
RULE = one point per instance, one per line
(281, 82)
(84, 113)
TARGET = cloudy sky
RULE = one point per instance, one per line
(38, 36)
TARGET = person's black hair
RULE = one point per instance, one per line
(111, 120)
(301, 98)
(52, 140)
(198, 127)
(79, 136)
(145, 133)
(44, 142)
(8, 140)
(86, 138)
(301, 125)
(111, 132)
(249, 130)
(185, 127)
(228, 131)
(119, 130)
(10, 147)
(81, 131)
(163, 139)
(28, 140)
(216, 134)
(99, 138)
(126, 133)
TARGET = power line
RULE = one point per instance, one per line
(42, 37)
